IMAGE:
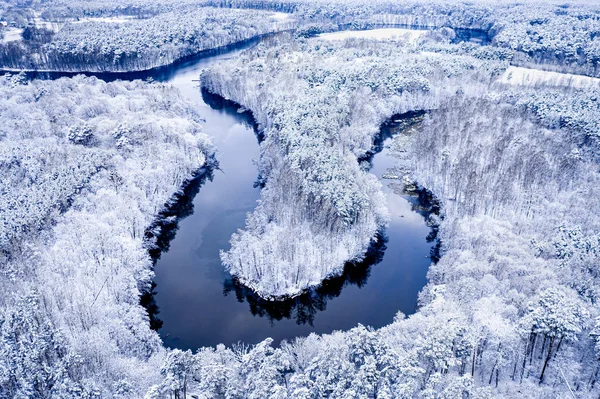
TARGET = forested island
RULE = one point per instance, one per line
(488, 113)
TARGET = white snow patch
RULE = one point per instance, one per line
(530, 77)
(114, 20)
(377, 34)
(12, 34)
(280, 16)
(39, 23)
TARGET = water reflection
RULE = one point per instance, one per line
(160, 74)
(160, 233)
(204, 305)
(243, 116)
(303, 308)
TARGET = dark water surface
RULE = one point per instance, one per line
(201, 305)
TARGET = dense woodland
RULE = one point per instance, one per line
(86, 167)
(134, 44)
(559, 36)
(514, 294)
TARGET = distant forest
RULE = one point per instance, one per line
(508, 148)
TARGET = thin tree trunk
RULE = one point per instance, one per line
(558, 346)
(473, 362)
(497, 376)
(495, 365)
(532, 348)
(492, 373)
(514, 373)
(594, 377)
(547, 359)
(543, 346)
(525, 355)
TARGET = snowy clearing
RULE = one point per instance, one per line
(281, 16)
(114, 20)
(531, 77)
(377, 34)
(12, 34)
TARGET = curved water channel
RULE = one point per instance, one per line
(200, 304)
(197, 303)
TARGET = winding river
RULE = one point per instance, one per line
(197, 303)
(201, 305)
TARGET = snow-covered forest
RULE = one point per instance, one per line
(516, 285)
(507, 142)
(557, 35)
(320, 207)
(85, 167)
(105, 44)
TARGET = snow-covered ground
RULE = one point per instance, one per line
(378, 34)
(280, 16)
(114, 20)
(39, 23)
(12, 34)
(530, 77)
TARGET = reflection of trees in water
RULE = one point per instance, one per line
(243, 115)
(303, 308)
(163, 230)
(422, 201)
(162, 73)
(160, 234)
(147, 301)
(394, 125)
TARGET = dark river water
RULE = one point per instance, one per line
(197, 303)
(200, 304)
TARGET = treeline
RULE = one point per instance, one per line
(511, 308)
(534, 32)
(85, 168)
(516, 232)
(137, 44)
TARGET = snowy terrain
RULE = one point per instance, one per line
(112, 20)
(121, 44)
(535, 77)
(80, 184)
(12, 34)
(410, 35)
(510, 310)
(322, 208)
